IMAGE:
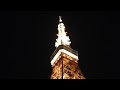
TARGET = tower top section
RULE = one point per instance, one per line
(62, 39)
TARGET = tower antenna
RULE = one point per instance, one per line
(60, 18)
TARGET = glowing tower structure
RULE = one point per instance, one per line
(64, 59)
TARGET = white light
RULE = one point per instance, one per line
(55, 57)
(66, 52)
(62, 38)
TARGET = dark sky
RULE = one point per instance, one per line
(28, 39)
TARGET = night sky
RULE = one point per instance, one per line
(28, 41)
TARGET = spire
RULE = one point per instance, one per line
(62, 38)
(60, 20)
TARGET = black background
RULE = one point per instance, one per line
(28, 38)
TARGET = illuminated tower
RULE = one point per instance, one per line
(64, 59)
